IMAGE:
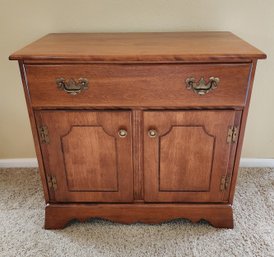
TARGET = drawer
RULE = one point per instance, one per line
(129, 85)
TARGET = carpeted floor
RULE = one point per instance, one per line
(22, 214)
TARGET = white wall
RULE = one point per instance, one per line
(24, 21)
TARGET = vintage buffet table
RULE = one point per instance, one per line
(138, 127)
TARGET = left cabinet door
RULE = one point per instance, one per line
(87, 155)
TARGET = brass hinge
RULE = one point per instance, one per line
(44, 134)
(52, 182)
(225, 181)
(232, 134)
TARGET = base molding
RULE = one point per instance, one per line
(256, 163)
(19, 163)
(32, 163)
(57, 216)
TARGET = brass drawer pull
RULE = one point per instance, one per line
(122, 133)
(152, 133)
(71, 86)
(202, 88)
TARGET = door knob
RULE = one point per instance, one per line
(122, 133)
(152, 133)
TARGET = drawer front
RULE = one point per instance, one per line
(129, 85)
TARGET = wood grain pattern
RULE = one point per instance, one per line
(183, 151)
(241, 133)
(138, 85)
(138, 155)
(168, 46)
(34, 132)
(81, 174)
(57, 216)
(215, 124)
(233, 157)
(90, 158)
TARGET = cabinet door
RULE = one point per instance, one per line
(187, 156)
(88, 154)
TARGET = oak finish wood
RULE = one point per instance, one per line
(59, 215)
(189, 156)
(170, 46)
(95, 165)
(137, 83)
(138, 155)
(241, 133)
(35, 134)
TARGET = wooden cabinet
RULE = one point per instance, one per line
(140, 127)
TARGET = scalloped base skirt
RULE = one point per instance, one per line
(57, 216)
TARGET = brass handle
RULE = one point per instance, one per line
(71, 86)
(122, 133)
(152, 133)
(202, 88)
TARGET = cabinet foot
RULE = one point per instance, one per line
(57, 216)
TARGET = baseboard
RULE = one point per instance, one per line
(256, 162)
(32, 163)
(19, 163)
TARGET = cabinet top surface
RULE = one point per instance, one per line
(156, 47)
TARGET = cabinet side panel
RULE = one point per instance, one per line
(34, 130)
(242, 131)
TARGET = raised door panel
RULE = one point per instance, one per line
(89, 166)
(182, 165)
(187, 155)
(85, 153)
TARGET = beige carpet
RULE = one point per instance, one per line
(21, 221)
